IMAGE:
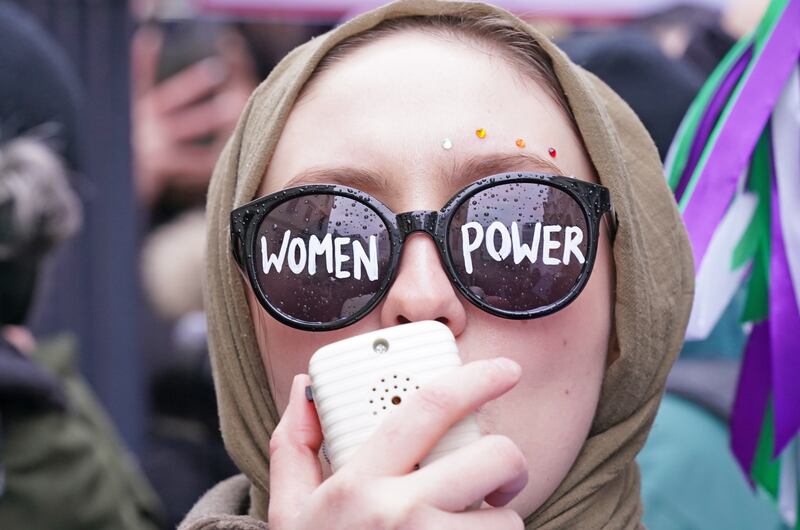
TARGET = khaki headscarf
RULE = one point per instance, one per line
(653, 266)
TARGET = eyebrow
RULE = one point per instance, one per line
(457, 177)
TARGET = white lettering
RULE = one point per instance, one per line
(505, 241)
(317, 248)
(467, 245)
(271, 260)
(340, 258)
(521, 250)
(360, 258)
(297, 264)
(573, 236)
(550, 244)
(297, 252)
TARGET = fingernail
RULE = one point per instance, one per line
(309, 394)
(507, 365)
(297, 385)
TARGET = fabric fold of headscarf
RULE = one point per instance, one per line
(654, 282)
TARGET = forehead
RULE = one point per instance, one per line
(385, 109)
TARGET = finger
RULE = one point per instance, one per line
(494, 518)
(145, 53)
(189, 167)
(411, 431)
(190, 84)
(197, 121)
(295, 471)
(492, 466)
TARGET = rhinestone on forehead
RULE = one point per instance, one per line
(551, 151)
(480, 133)
(447, 144)
(520, 143)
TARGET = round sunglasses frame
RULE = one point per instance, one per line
(593, 199)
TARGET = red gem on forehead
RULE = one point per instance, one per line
(552, 152)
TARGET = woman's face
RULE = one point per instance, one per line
(385, 108)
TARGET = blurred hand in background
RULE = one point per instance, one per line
(181, 123)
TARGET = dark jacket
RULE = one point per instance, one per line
(62, 465)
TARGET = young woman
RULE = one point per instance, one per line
(568, 294)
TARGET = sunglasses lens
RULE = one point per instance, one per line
(519, 247)
(321, 258)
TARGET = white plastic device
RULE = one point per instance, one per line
(357, 382)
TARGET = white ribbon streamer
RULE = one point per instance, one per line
(716, 281)
(786, 153)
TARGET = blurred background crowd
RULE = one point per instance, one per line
(112, 115)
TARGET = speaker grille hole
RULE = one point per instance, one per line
(389, 389)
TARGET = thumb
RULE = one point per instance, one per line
(295, 471)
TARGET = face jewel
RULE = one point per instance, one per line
(480, 133)
(551, 152)
(520, 142)
(447, 144)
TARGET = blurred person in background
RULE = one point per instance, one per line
(190, 82)
(657, 87)
(701, 36)
(62, 464)
(191, 77)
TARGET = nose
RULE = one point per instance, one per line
(422, 289)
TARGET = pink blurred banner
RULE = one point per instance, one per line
(341, 9)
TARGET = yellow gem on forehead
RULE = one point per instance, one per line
(480, 133)
(447, 144)
(520, 142)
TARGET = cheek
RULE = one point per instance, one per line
(562, 358)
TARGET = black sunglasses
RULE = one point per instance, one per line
(517, 245)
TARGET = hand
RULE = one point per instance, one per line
(378, 487)
(168, 118)
(20, 337)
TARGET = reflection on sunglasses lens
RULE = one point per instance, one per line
(519, 246)
(321, 258)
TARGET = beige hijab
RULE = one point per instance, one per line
(653, 267)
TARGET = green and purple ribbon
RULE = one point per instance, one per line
(740, 138)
